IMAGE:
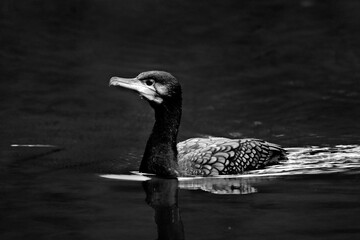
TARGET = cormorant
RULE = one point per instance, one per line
(210, 156)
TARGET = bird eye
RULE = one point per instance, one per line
(149, 82)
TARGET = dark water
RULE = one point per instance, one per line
(284, 71)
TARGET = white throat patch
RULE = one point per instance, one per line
(161, 89)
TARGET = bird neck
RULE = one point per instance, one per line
(160, 156)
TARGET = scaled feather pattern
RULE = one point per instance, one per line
(223, 156)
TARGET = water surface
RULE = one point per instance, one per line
(283, 71)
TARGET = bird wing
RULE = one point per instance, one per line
(218, 156)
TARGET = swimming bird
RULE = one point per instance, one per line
(210, 156)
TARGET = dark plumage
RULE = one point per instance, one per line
(196, 156)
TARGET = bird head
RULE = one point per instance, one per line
(157, 87)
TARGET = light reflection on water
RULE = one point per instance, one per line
(318, 160)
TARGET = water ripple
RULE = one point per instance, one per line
(317, 160)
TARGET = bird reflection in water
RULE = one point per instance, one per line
(162, 196)
(220, 185)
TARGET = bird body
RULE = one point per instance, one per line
(196, 156)
(223, 156)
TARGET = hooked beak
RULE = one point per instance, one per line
(138, 86)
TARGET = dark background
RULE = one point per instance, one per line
(286, 71)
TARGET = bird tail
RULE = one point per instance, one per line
(278, 154)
